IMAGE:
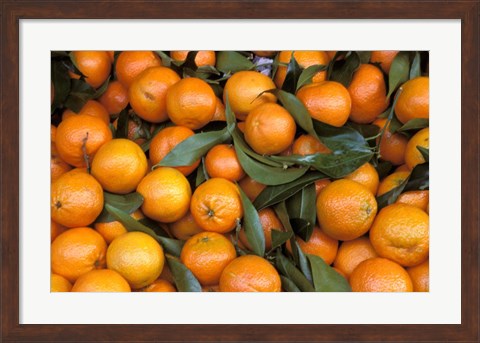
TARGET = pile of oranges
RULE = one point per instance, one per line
(251, 171)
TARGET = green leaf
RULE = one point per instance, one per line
(415, 68)
(100, 90)
(288, 285)
(252, 225)
(424, 151)
(296, 109)
(194, 147)
(201, 173)
(79, 94)
(308, 73)
(383, 169)
(335, 165)
(343, 70)
(128, 203)
(280, 237)
(170, 245)
(302, 259)
(260, 172)
(419, 178)
(334, 63)
(122, 125)
(414, 124)
(298, 255)
(154, 226)
(146, 146)
(232, 61)
(391, 196)
(293, 73)
(364, 56)
(185, 281)
(61, 83)
(302, 206)
(399, 72)
(325, 278)
(288, 269)
(272, 195)
(166, 59)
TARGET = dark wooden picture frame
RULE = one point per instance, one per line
(13, 11)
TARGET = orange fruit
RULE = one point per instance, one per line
(222, 161)
(137, 257)
(320, 185)
(384, 57)
(160, 285)
(413, 101)
(101, 280)
(219, 114)
(319, 244)
(59, 284)
(365, 175)
(76, 252)
(148, 93)
(191, 102)
(91, 108)
(131, 63)
(202, 58)
(111, 55)
(391, 181)
(269, 222)
(241, 126)
(249, 273)
(244, 89)
(305, 59)
(269, 129)
(119, 165)
(207, 254)
(95, 65)
(308, 145)
(328, 102)
(166, 194)
(216, 205)
(185, 227)
(165, 141)
(392, 145)
(250, 187)
(76, 199)
(380, 275)
(53, 133)
(115, 97)
(420, 276)
(403, 167)
(346, 209)
(413, 156)
(55, 230)
(113, 229)
(352, 253)
(58, 166)
(400, 233)
(418, 199)
(79, 137)
(368, 93)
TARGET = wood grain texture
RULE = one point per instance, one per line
(12, 11)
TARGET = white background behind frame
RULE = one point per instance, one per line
(442, 38)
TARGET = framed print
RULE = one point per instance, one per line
(446, 33)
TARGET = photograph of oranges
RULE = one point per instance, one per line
(239, 171)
